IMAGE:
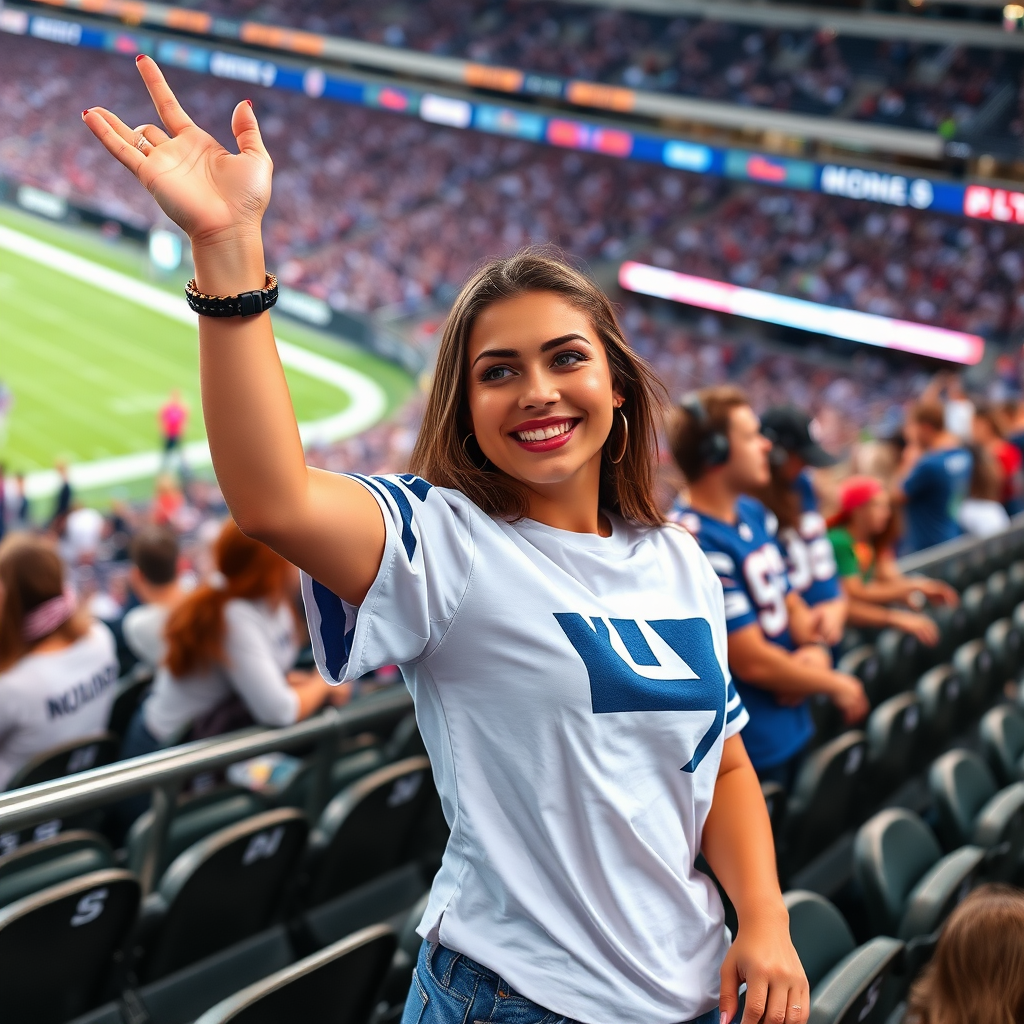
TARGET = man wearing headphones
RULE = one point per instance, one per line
(775, 656)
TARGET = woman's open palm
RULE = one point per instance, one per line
(207, 191)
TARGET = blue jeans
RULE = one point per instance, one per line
(449, 988)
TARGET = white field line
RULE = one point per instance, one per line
(367, 400)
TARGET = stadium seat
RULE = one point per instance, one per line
(1002, 734)
(131, 689)
(405, 741)
(953, 631)
(337, 985)
(899, 655)
(974, 664)
(1015, 582)
(998, 587)
(399, 976)
(36, 866)
(957, 573)
(972, 809)
(909, 887)
(1005, 642)
(979, 607)
(67, 759)
(775, 800)
(57, 946)
(940, 691)
(892, 732)
(363, 863)
(846, 980)
(344, 771)
(827, 718)
(863, 663)
(219, 891)
(195, 817)
(824, 798)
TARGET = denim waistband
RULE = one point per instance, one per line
(710, 1017)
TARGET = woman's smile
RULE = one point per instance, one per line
(545, 435)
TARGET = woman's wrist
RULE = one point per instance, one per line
(229, 263)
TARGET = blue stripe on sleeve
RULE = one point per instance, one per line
(337, 643)
(416, 484)
(405, 509)
(731, 716)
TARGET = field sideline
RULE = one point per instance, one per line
(90, 350)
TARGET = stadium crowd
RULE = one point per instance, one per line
(925, 86)
(371, 209)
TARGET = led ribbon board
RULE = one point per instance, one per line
(852, 324)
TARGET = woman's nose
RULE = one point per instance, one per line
(538, 389)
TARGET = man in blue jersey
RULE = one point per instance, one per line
(775, 651)
(802, 531)
(936, 479)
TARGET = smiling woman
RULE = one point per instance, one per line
(565, 648)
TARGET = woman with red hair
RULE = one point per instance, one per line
(863, 534)
(230, 645)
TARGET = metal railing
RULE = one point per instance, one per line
(165, 772)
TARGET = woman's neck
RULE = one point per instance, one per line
(573, 504)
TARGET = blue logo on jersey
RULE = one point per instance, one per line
(618, 684)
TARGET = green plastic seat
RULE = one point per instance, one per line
(36, 866)
(893, 733)
(972, 809)
(979, 606)
(863, 662)
(899, 655)
(846, 980)
(998, 587)
(940, 691)
(1015, 583)
(67, 759)
(1005, 643)
(909, 887)
(1002, 733)
(975, 665)
(195, 817)
(953, 631)
(824, 801)
(344, 771)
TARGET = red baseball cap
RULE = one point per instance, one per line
(855, 491)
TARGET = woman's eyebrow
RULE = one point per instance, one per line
(511, 353)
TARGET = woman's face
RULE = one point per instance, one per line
(540, 391)
(871, 519)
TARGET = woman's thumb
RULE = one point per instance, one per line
(246, 130)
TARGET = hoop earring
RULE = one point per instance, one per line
(465, 452)
(625, 438)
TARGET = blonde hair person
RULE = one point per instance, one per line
(537, 607)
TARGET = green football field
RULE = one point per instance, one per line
(89, 370)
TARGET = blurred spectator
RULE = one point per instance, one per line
(936, 477)
(3, 500)
(62, 503)
(154, 581)
(774, 651)
(863, 534)
(981, 513)
(173, 419)
(22, 512)
(811, 564)
(57, 667)
(1006, 457)
(168, 501)
(977, 970)
(230, 644)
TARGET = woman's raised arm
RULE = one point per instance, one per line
(326, 524)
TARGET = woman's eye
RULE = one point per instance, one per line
(495, 373)
(569, 358)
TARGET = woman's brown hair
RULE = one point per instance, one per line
(440, 455)
(31, 573)
(195, 627)
(780, 497)
(977, 972)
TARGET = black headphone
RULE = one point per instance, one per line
(713, 447)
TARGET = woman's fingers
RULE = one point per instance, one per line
(123, 131)
(112, 141)
(799, 1005)
(757, 1001)
(247, 131)
(167, 105)
(777, 1006)
(151, 133)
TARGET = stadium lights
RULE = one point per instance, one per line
(868, 328)
(1012, 16)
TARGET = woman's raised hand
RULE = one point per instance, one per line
(214, 196)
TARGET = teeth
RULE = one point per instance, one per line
(543, 434)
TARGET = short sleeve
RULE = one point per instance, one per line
(739, 611)
(920, 480)
(423, 576)
(846, 557)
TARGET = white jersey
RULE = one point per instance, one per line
(573, 694)
(55, 697)
(259, 647)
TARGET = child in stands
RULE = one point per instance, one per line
(564, 646)
(977, 972)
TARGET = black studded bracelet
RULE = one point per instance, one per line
(243, 304)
